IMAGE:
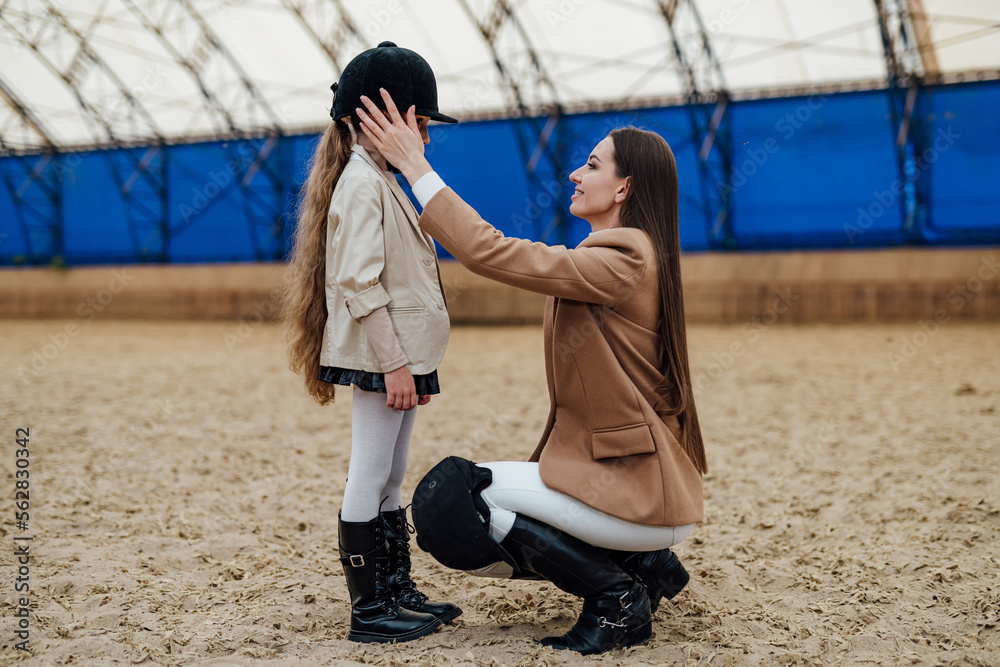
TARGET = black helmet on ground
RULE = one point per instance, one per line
(402, 72)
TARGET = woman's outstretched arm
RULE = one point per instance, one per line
(605, 270)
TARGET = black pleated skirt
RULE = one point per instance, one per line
(425, 384)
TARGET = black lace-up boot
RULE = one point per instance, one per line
(397, 534)
(375, 614)
(615, 607)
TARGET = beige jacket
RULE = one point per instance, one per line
(604, 443)
(378, 256)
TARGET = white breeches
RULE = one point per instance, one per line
(517, 488)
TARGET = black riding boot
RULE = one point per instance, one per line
(615, 607)
(660, 572)
(375, 615)
(397, 534)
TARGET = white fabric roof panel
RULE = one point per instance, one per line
(262, 63)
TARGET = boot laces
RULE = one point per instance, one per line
(383, 595)
(405, 588)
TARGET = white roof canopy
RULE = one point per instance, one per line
(110, 72)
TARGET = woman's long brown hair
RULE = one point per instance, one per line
(652, 206)
(303, 308)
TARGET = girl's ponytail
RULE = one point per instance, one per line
(304, 305)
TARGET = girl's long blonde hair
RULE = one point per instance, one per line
(303, 308)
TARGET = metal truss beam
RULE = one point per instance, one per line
(707, 100)
(925, 45)
(905, 72)
(542, 156)
(27, 117)
(259, 179)
(255, 102)
(141, 182)
(329, 32)
(102, 109)
(34, 186)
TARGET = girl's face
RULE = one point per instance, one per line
(599, 190)
(422, 126)
(364, 141)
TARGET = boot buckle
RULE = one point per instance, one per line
(604, 622)
(627, 600)
(357, 561)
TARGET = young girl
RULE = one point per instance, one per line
(365, 307)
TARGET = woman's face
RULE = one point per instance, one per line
(599, 190)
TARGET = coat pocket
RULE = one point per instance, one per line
(622, 441)
(411, 325)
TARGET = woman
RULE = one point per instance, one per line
(616, 479)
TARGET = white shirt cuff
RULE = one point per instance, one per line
(427, 186)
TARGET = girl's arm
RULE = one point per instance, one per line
(378, 329)
(357, 245)
(358, 249)
(401, 392)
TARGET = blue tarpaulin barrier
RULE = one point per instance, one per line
(807, 172)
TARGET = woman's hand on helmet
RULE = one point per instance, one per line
(397, 140)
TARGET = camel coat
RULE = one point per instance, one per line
(377, 256)
(603, 443)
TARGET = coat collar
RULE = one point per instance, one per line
(614, 236)
(397, 192)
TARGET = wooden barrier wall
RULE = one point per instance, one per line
(867, 286)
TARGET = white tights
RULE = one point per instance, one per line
(517, 487)
(380, 444)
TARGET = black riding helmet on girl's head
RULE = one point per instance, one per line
(407, 77)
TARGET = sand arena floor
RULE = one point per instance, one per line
(184, 494)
